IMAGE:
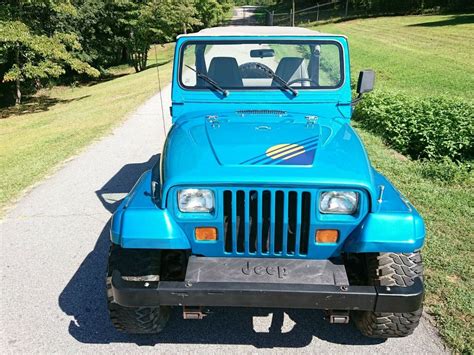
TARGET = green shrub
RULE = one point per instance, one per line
(448, 172)
(422, 128)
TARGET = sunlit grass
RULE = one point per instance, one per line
(67, 119)
(426, 56)
(420, 55)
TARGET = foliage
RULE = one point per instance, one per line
(43, 56)
(254, 2)
(430, 128)
(407, 6)
(212, 12)
(448, 172)
(48, 41)
(37, 56)
(369, 7)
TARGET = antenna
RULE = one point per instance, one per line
(161, 95)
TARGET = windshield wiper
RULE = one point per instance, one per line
(277, 79)
(209, 81)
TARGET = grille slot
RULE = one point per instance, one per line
(267, 222)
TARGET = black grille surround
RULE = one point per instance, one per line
(273, 222)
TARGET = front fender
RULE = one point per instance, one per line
(394, 225)
(139, 223)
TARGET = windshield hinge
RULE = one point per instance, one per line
(213, 120)
(311, 120)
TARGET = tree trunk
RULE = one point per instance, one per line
(17, 81)
(144, 59)
(134, 57)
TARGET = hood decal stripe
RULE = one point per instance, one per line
(269, 159)
(288, 154)
(307, 154)
(262, 157)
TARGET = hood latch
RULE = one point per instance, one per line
(311, 120)
(214, 121)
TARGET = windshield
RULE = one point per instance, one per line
(250, 64)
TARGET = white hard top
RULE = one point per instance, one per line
(256, 31)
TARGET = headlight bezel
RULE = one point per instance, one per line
(209, 193)
(337, 193)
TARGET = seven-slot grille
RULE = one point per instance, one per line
(267, 221)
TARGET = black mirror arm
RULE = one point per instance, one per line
(353, 102)
(357, 99)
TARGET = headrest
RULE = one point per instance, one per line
(225, 72)
(291, 68)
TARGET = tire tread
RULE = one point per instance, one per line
(391, 269)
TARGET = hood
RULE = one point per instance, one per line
(252, 140)
(269, 148)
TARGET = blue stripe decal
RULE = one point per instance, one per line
(305, 157)
(285, 147)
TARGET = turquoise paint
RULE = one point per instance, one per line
(232, 151)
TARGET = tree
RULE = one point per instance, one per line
(37, 56)
(101, 32)
(212, 12)
(40, 54)
(187, 14)
(156, 21)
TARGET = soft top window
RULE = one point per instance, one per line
(244, 64)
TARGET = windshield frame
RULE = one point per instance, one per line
(342, 62)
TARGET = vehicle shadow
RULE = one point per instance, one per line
(84, 299)
(114, 190)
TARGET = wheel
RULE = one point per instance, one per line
(390, 269)
(133, 265)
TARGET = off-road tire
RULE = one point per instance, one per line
(390, 269)
(135, 263)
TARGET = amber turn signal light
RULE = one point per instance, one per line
(205, 233)
(327, 236)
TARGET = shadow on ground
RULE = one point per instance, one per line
(35, 104)
(452, 21)
(84, 299)
(129, 71)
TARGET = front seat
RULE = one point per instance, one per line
(291, 68)
(225, 72)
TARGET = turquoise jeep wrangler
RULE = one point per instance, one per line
(264, 195)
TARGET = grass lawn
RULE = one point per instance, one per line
(57, 123)
(420, 55)
(426, 55)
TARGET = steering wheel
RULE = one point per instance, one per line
(302, 80)
(250, 70)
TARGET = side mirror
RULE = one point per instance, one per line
(366, 81)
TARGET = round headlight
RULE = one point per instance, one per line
(339, 202)
(196, 200)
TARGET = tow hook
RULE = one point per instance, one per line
(337, 317)
(193, 312)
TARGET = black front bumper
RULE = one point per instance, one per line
(266, 294)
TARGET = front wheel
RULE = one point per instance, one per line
(390, 269)
(135, 264)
